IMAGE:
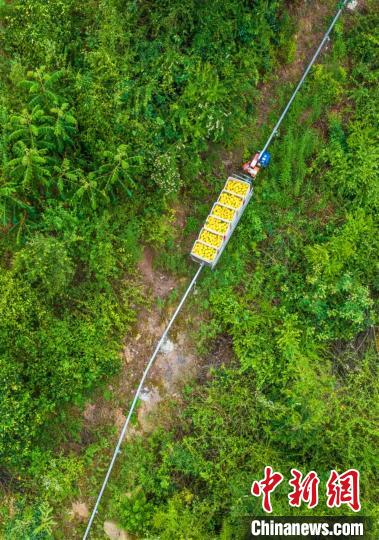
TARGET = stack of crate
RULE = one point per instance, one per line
(221, 221)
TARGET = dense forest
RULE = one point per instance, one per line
(114, 115)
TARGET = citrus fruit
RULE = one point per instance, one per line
(222, 212)
(211, 238)
(240, 188)
(203, 251)
(216, 225)
(230, 200)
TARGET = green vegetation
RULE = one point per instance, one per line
(110, 110)
(295, 292)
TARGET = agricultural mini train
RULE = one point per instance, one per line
(226, 212)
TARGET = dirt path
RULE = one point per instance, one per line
(176, 363)
(173, 364)
(311, 27)
(311, 19)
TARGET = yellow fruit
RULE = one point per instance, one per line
(204, 252)
(230, 200)
(211, 238)
(222, 212)
(240, 188)
(216, 225)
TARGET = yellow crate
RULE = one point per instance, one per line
(217, 225)
(204, 252)
(230, 200)
(222, 212)
(238, 187)
(211, 238)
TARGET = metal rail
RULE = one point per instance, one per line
(136, 396)
(192, 284)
